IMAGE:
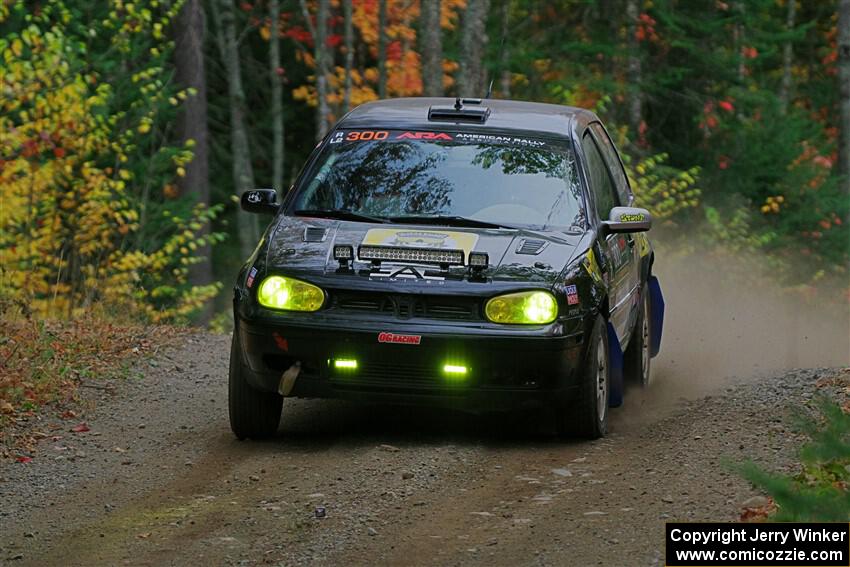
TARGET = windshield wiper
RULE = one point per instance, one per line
(446, 220)
(341, 214)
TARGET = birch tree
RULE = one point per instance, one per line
(382, 48)
(787, 56)
(319, 31)
(349, 52)
(473, 42)
(243, 171)
(276, 76)
(633, 68)
(431, 46)
(844, 91)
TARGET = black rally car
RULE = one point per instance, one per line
(478, 253)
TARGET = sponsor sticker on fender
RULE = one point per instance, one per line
(385, 337)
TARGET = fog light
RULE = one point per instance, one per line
(455, 370)
(345, 363)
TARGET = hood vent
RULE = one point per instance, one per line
(531, 246)
(314, 234)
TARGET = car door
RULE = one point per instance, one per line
(624, 198)
(617, 248)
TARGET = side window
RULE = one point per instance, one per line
(614, 163)
(600, 181)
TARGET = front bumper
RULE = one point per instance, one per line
(504, 369)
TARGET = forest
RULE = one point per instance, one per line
(128, 129)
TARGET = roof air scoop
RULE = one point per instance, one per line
(458, 112)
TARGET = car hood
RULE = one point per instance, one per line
(304, 245)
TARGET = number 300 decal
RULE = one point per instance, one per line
(366, 135)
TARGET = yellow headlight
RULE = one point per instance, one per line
(525, 307)
(277, 292)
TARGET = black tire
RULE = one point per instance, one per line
(587, 415)
(636, 360)
(253, 414)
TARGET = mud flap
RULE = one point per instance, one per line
(656, 321)
(615, 368)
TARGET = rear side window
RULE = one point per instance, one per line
(598, 177)
(615, 166)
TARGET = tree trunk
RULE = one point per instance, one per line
(844, 91)
(473, 43)
(787, 57)
(319, 31)
(382, 48)
(633, 68)
(243, 171)
(276, 76)
(505, 55)
(322, 64)
(192, 125)
(738, 39)
(431, 46)
(349, 53)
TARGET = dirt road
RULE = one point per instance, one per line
(160, 480)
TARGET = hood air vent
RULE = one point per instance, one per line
(314, 234)
(530, 246)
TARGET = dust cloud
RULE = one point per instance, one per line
(722, 329)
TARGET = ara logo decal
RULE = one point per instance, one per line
(385, 337)
(405, 273)
(423, 136)
(251, 275)
(572, 295)
(254, 197)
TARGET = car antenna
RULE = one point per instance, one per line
(458, 104)
(489, 90)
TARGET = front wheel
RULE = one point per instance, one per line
(587, 417)
(253, 413)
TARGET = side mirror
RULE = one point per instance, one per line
(628, 219)
(262, 201)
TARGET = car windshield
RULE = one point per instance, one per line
(503, 180)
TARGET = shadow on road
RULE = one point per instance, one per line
(317, 425)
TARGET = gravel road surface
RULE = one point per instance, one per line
(158, 479)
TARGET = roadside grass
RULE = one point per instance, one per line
(820, 491)
(44, 363)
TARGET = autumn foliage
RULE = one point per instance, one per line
(82, 171)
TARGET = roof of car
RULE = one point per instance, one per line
(504, 115)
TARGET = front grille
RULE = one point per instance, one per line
(407, 306)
